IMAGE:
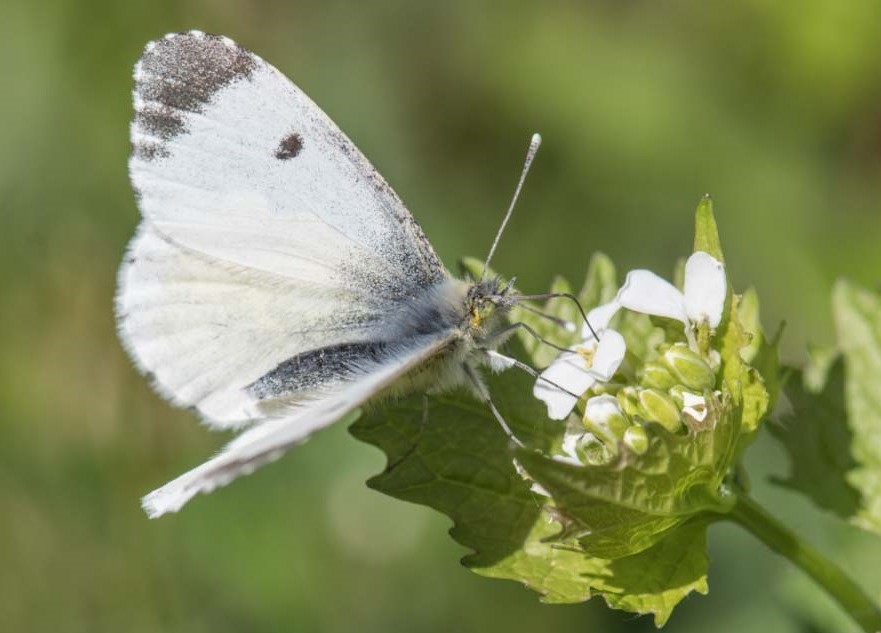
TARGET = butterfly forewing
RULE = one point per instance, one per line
(235, 161)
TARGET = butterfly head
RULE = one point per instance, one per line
(487, 299)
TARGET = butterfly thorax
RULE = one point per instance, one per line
(471, 315)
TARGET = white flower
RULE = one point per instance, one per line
(575, 371)
(701, 301)
(694, 406)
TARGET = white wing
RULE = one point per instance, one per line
(266, 233)
(268, 441)
(203, 330)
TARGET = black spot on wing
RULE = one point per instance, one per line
(180, 74)
(316, 368)
(289, 147)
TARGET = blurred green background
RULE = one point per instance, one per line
(773, 107)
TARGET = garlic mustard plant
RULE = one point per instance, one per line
(633, 432)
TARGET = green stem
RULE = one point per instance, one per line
(826, 573)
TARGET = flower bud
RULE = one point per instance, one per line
(591, 450)
(636, 439)
(656, 376)
(676, 392)
(629, 402)
(658, 407)
(689, 368)
(604, 418)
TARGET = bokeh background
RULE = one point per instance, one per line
(773, 107)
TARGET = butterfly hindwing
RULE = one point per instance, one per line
(206, 330)
(268, 441)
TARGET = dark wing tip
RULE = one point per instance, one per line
(177, 75)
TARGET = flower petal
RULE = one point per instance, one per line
(643, 291)
(705, 288)
(569, 372)
(694, 406)
(608, 356)
(599, 317)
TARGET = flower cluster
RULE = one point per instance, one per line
(617, 392)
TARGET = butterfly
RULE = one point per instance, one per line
(276, 283)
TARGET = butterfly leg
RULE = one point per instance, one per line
(558, 295)
(483, 393)
(563, 323)
(498, 360)
(506, 331)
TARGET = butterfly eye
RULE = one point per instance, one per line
(482, 311)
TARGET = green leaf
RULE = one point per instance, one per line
(744, 381)
(658, 578)
(761, 353)
(818, 440)
(472, 268)
(833, 434)
(679, 273)
(749, 392)
(601, 284)
(748, 314)
(623, 507)
(858, 324)
(706, 234)
(456, 460)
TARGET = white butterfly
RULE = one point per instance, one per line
(276, 282)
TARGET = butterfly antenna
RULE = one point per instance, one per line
(530, 154)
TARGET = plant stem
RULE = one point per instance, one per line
(825, 573)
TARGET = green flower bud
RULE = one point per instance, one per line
(636, 439)
(629, 401)
(593, 451)
(656, 376)
(604, 418)
(676, 392)
(689, 368)
(661, 408)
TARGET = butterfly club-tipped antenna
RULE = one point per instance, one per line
(530, 155)
(534, 144)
